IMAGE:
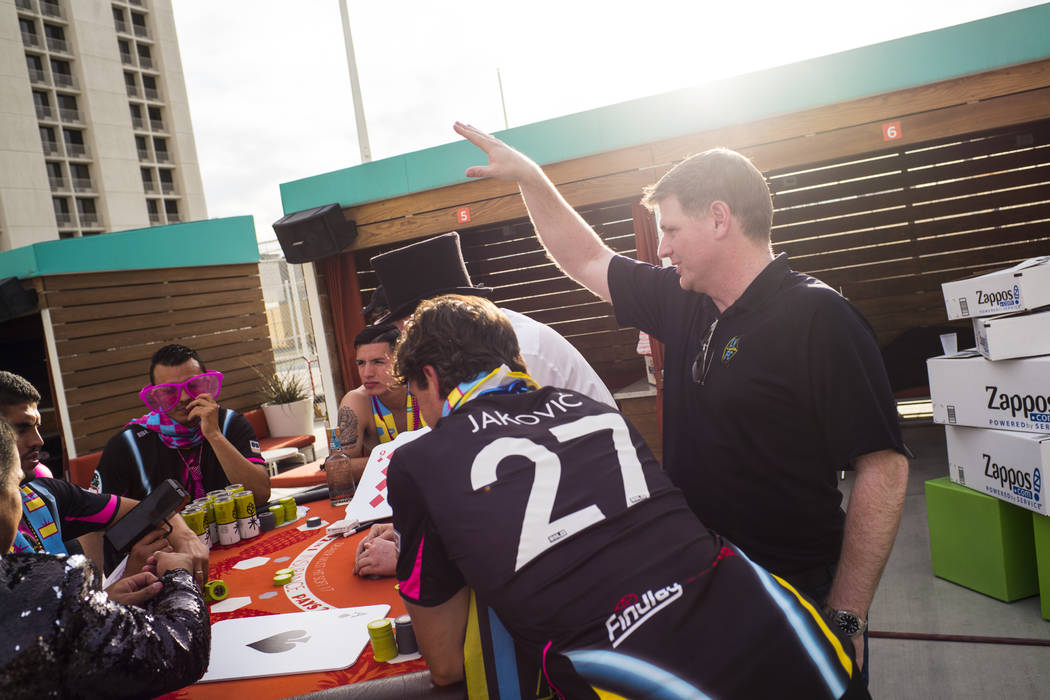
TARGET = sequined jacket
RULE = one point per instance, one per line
(62, 637)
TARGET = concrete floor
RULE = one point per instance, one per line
(911, 599)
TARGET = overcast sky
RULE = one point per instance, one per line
(269, 88)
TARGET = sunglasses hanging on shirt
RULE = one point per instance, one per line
(164, 397)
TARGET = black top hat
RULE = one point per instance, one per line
(377, 303)
(421, 271)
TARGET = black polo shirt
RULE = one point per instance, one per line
(794, 391)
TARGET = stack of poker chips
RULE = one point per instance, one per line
(381, 634)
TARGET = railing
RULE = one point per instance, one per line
(167, 187)
(50, 147)
(121, 25)
(156, 124)
(136, 2)
(140, 30)
(138, 122)
(146, 62)
(83, 184)
(57, 44)
(76, 150)
(63, 79)
(64, 219)
(25, 5)
(154, 217)
(173, 218)
(151, 93)
(133, 90)
(50, 8)
(125, 58)
(69, 115)
(149, 185)
(30, 39)
(88, 219)
(57, 183)
(43, 112)
(163, 157)
(37, 76)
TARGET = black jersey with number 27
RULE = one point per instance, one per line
(551, 507)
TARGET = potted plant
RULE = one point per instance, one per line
(287, 405)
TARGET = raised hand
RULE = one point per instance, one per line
(505, 163)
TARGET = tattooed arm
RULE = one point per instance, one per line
(356, 431)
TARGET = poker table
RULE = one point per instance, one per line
(328, 581)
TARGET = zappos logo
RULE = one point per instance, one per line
(731, 349)
(1037, 484)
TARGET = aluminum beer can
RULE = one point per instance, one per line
(247, 520)
(291, 508)
(227, 523)
(209, 517)
(216, 493)
(234, 488)
(195, 518)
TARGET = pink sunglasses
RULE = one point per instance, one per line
(164, 397)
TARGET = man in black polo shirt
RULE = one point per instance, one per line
(550, 506)
(186, 436)
(773, 382)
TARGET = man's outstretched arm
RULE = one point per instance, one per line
(569, 240)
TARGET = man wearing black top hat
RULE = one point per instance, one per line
(433, 267)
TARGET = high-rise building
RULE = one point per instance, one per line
(95, 132)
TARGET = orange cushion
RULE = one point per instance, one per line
(258, 420)
(82, 469)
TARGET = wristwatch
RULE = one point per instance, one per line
(848, 621)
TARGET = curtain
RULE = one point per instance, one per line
(344, 297)
(647, 243)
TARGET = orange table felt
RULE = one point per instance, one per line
(309, 474)
(329, 581)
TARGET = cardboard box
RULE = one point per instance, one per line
(1019, 288)
(1005, 464)
(967, 389)
(1013, 335)
(980, 542)
(1041, 536)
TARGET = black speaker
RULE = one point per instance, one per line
(313, 234)
(14, 299)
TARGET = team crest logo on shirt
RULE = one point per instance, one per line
(730, 350)
(254, 444)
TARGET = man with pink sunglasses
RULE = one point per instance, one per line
(185, 436)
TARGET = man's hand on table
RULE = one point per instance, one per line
(377, 553)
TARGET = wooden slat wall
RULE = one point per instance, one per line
(996, 98)
(509, 259)
(107, 326)
(887, 228)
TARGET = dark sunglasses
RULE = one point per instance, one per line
(164, 397)
(702, 363)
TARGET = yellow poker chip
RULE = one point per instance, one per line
(283, 572)
(216, 590)
(282, 579)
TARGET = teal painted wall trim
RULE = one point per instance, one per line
(228, 241)
(974, 47)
